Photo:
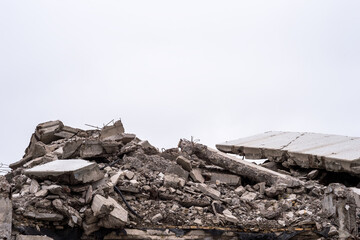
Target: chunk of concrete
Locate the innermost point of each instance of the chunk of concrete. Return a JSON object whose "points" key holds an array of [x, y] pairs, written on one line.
{"points": [[91, 148], [196, 175], [52, 217], [238, 166], [34, 186], [177, 170], [5, 209], [71, 149], [33, 237], [171, 180], [184, 163], [109, 131], [230, 179], [122, 137], [229, 217], [110, 212], [356, 194], [45, 132], [215, 194], [248, 196], [5, 217], [70, 171]]}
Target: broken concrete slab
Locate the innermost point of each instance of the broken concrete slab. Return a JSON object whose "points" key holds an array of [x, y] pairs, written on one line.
{"points": [[172, 180], [196, 175], [110, 212], [109, 131], [215, 194], [5, 217], [238, 166], [308, 150], [184, 163], [52, 217], [6, 209], [45, 132], [33, 237], [177, 170], [71, 149], [70, 171], [231, 179], [91, 149]]}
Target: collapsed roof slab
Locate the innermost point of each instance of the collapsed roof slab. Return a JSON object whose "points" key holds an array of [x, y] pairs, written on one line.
{"points": [[70, 171], [308, 150]]}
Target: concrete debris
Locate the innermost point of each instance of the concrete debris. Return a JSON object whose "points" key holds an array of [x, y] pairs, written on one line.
{"points": [[32, 237], [108, 132], [237, 166], [71, 171], [230, 179], [196, 175], [209, 191], [110, 212], [128, 189], [184, 163], [308, 150], [5, 209]]}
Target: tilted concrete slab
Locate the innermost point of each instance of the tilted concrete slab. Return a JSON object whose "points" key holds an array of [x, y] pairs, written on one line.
{"points": [[71, 171], [309, 150]]}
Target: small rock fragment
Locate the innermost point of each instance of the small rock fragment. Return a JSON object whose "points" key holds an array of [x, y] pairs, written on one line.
{"points": [[158, 217]]}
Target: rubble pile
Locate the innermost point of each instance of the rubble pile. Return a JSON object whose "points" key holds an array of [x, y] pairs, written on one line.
{"points": [[108, 184]]}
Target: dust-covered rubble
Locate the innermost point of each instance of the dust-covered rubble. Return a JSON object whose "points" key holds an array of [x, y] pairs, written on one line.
{"points": [[108, 184]]}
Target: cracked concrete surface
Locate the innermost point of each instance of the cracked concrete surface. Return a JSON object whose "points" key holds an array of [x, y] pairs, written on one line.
{"points": [[308, 150]]}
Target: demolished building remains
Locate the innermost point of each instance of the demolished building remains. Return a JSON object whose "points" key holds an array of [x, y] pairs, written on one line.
{"points": [[108, 184]]}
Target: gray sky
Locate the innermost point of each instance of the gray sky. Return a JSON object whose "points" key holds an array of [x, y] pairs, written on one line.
{"points": [[215, 70]]}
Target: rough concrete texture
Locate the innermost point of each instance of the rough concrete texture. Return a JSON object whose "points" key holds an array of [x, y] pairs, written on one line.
{"points": [[32, 237], [5, 209], [128, 189], [110, 131], [70, 171], [5, 218], [307, 150]]}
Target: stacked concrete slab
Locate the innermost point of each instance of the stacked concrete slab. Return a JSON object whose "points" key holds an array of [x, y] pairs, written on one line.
{"points": [[308, 150]]}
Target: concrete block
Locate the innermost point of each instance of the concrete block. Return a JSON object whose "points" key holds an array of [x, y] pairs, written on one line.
{"points": [[5, 217], [109, 131], [70, 171], [177, 170], [229, 179], [184, 163], [71, 149], [215, 194], [91, 148], [196, 175], [33, 237], [110, 212], [45, 132]]}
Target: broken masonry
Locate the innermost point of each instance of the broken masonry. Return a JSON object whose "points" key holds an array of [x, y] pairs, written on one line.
{"points": [[109, 184]]}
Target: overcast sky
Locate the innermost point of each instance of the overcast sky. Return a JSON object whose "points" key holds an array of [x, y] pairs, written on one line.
{"points": [[215, 70]]}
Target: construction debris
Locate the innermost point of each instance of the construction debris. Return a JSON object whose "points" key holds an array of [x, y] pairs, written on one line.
{"points": [[108, 184], [307, 150]]}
